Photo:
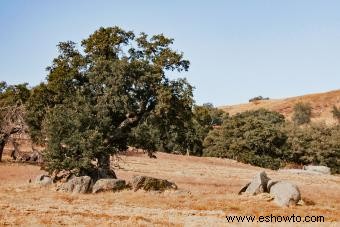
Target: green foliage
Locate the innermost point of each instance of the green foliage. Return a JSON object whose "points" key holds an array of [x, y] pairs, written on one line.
{"points": [[253, 137], [13, 94], [302, 113], [66, 76], [336, 113], [178, 130], [92, 101], [208, 116], [166, 128], [313, 144], [37, 105], [258, 98]]}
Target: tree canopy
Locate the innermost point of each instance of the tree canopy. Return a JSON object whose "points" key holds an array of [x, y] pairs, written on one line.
{"points": [[12, 111], [96, 95]]}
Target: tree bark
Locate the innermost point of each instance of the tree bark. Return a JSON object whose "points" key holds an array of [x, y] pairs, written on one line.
{"points": [[15, 150], [3, 142], [104, 170], [2, 145]]}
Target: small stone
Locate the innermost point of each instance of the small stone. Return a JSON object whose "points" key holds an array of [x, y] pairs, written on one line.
{"points": [[318, 169], [43, 180]]}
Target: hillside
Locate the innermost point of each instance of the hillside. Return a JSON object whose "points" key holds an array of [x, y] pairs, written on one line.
{"points": [[207, 193], [321, 103]]}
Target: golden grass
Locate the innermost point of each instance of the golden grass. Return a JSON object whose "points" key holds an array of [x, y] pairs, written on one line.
{"points": [[322, 104], [207, 192]]}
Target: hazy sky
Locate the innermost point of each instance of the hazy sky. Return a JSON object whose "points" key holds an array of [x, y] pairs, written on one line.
{"points": [[238, 49]]}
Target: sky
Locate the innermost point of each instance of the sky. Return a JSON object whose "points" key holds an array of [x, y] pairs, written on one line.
{"points": [[238, 49]]}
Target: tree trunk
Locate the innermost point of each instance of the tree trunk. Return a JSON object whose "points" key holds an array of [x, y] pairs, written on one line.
{"points": [[15, 150], [104, 170], [2, 145], [3, 142]]}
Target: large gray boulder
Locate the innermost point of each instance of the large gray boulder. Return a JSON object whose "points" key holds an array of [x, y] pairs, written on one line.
{"points": [[151, 184], [43, 180], [76, 185], [108, 185], [257, 185], [284, 192], [318, 169]]}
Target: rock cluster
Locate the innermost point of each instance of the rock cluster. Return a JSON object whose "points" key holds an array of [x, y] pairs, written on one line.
{"points": [[67, 181], [283, 192], [309, 170]]}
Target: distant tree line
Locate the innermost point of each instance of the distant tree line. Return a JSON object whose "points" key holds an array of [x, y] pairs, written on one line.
{"points": [[258, 98]]}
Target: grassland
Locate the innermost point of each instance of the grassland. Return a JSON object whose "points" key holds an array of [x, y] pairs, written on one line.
{"points": [[321, 103], [207, 193]]}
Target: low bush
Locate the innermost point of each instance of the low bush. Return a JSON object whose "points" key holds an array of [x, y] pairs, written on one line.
{"points": [[253, 137]]}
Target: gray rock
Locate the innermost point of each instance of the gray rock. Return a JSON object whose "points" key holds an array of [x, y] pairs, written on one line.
{"points": [[43, 180], [76, 185], [108, 185], [244, 188], [36, 157], [257, 185], [284, 192], [62, 176], [151, 184], [299, 171], [318, 169]]}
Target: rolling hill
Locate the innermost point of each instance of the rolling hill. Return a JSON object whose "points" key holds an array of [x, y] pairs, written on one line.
{"points": [[322, 104]]}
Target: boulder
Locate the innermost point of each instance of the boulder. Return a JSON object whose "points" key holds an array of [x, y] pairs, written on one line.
{"points": [[76, 185], [151, 184], [62, 176], [299, 171], [318, 169], [257, 185], [284, 192], [43, 180], [108, 185]]}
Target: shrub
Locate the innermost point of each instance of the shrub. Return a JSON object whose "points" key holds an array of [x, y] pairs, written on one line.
{"points": [[258, 98], [302, 113], [315, 144], [253, 137], [336, 113]]}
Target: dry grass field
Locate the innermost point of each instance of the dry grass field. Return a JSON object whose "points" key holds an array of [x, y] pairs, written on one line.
{"points": [[322, 104], [207, 193]]}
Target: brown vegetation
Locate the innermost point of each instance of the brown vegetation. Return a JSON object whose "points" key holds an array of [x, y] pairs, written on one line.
{"points": [[207, 192]]}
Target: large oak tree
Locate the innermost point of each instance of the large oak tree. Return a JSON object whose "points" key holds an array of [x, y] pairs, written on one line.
{"points": [[94, 96]]}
